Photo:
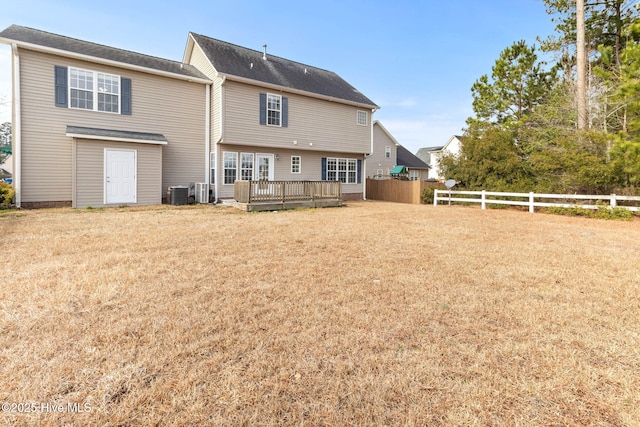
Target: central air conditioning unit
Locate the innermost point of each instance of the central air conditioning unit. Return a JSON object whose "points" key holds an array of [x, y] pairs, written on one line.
{"points": [[202, 192]]}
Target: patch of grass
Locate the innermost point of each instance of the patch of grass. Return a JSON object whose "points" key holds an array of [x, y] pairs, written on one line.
{"points": [[616, 213], [374, 314]]}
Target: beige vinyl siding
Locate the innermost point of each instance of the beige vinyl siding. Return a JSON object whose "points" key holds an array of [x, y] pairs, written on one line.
{"points": [[377, 159], [89, 172], [315, 124], [172, 107], [199, 60], [216, 110], [311, 166]]}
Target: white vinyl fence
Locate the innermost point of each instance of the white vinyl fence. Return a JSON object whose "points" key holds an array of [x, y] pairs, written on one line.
{"points": [[532, 200]]}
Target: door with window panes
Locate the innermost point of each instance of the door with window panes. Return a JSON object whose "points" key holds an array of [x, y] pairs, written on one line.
{"points": [[264, 170]]}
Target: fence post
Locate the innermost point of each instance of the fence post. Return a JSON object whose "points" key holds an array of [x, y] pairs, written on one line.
{"points": [[531, 202], [483, 203], [613, 202], [435, 197]]}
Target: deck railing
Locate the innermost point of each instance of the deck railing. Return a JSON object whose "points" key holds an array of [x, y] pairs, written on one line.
{"points": [[285, 191]]}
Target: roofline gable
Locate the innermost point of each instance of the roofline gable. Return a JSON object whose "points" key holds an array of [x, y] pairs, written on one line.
{"points": [[384, 129]]}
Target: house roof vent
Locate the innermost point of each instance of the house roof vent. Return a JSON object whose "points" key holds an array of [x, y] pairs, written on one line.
{"points": [[264, 54]]}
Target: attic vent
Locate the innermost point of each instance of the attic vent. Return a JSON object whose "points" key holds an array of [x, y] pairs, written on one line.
{"points": [[264, 54], [251, 65], [305, 71]]}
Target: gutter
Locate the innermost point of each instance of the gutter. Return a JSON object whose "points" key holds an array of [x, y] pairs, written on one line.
{"points": [[220, 139], [16, 140], [94, 59], [207, 137], [369, 154]]}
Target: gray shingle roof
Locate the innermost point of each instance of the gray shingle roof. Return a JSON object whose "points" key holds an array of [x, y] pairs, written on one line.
{"points": [[113, 133], [42, 38], [233, 60], [408, 159]]}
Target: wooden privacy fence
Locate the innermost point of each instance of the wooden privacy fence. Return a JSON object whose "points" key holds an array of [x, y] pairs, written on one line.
{"points": [[285, 191], [530, 199], [396, 190]]}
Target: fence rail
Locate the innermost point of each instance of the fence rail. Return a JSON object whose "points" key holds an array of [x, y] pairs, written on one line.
{"points": [[285, 191], [530, 199]]}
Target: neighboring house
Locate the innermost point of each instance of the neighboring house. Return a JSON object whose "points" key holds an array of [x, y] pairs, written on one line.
{"points": [[384, 155], [96, 125], [432, 155], [277, 119], [390, 158], [417, 169]]}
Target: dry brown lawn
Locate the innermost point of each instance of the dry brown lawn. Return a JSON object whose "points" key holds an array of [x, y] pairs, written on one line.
{"points": [[371, 314]]}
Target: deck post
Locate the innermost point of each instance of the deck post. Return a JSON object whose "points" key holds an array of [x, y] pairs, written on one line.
{"points": [[435, 197]]}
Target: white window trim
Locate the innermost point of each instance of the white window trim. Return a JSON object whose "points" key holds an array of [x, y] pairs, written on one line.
{"points": [[94, 90], [224, 168], [337, 171], [299, 164], [279, 111], [365, 114], [241, 169]]}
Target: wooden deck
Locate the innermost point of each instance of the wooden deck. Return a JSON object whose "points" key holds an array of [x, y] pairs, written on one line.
{"points": [[254, 196]]}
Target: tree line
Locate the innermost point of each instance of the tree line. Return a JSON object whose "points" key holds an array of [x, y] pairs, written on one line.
{"points": [[528, 133]]}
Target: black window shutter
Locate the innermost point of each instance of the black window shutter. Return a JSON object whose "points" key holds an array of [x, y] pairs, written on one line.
{"points": [[263, 108], [324, 168], [285, 111], [359, 171], [125, 96], [61, 86]]}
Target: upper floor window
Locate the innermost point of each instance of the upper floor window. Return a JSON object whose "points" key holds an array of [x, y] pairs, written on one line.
{"points": [[90, 90], [274, 105], [387, 152], [274, 110], [363, 117]]}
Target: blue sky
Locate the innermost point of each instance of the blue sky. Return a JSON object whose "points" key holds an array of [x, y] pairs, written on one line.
{"points": [[416, 59]]}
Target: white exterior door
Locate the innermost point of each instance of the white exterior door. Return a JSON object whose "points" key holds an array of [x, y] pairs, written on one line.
{"points": [[119, 176], [264, 169]]}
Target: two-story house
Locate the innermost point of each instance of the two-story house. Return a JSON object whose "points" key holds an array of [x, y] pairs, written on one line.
{"points": [[389, 156], [273, 118], [432, 155], [94, 125], [383, 158]]}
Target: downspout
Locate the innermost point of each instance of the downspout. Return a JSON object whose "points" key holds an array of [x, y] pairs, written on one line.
{"points": [[207, 136], [364, 178], [16, 138], [221, 124]]}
